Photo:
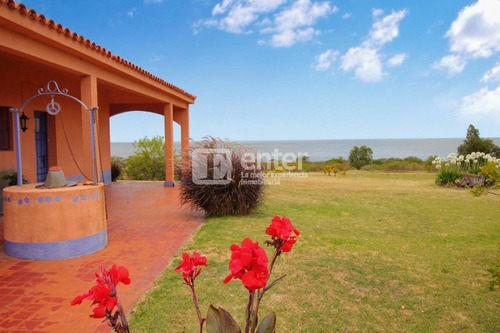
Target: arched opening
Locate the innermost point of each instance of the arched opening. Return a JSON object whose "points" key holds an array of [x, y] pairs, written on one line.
{"points": [[130, 126]]}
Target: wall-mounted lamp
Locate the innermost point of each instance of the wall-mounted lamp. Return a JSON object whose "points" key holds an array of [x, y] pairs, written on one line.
{"points": [[24, 121]]}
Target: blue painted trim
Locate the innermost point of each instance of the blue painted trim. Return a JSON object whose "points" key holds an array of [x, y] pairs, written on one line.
{"points": [[57, 250], [169, 184], [106, 176], [78, 178]]}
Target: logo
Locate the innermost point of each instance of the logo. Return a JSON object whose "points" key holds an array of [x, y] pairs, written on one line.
{"points": [[211, 166]]}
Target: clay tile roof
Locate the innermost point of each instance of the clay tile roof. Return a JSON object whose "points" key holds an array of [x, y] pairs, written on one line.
{"points": [[86, 42]]}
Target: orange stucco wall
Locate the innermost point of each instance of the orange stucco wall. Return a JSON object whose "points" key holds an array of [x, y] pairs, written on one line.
{"points": [[65, 130], [33, 215]]}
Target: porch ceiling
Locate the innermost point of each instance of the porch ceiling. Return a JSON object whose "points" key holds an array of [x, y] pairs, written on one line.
{"points": [[116, 94]]}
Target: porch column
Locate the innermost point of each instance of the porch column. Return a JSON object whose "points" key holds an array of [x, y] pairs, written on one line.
{"points": [[182, 118], [168, 112], [88, 86]]}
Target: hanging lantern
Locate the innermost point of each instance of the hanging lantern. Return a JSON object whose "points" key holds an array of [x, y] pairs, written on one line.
{"points": [[24, 121]]}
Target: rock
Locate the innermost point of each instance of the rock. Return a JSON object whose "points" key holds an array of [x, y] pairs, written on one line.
{"points": [[472, 180]]}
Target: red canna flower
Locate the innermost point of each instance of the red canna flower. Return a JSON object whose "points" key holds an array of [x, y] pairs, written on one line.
{"points": [[284, 234], [249, 264], [189, 265], [118, 274], [104, 296], [104, 292]]}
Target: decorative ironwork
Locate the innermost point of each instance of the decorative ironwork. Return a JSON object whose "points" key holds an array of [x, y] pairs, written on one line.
{"points": [[54, 90], [53, 108]]}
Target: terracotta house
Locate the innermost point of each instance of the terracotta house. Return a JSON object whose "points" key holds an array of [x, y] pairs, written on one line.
{"points": [[34, 51]]}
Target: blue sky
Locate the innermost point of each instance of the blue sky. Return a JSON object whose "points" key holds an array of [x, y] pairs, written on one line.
{"points": [[306, 69]]}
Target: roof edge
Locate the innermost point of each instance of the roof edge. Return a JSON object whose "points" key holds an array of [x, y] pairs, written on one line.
{"points": [[32, 14]]}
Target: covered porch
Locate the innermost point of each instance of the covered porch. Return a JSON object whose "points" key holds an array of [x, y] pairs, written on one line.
{"points": [[146, 228], [34, 51]]}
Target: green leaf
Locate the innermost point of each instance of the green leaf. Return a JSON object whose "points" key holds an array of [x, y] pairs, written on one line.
{"points": [[268, 324], [220, 321]]}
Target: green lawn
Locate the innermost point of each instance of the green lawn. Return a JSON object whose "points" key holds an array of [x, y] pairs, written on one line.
{"points": [[378, 253]]}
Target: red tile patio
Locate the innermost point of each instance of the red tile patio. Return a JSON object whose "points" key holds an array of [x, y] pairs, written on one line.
{"points": [[146, 227]]}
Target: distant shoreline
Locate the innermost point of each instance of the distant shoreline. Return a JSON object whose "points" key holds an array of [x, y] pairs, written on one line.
{"points": [[324, 150], [320, 140]]}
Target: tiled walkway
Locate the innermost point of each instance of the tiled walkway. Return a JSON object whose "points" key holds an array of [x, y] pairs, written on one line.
{"points": [[146, 227]]}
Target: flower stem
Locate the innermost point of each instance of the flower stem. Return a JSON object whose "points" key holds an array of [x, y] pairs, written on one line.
{"points": [[275, 256], [196, 305], [251, 296], [262, 291], [123, 318]]}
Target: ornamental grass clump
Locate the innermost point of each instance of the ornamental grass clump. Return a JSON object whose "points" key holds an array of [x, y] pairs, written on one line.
{"points": [[221, 178]]}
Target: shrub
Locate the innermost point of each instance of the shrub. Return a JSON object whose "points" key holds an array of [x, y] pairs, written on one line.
{"points": [[448, 177], [11, 179], [410, 163], [472, 163], [148, 161], [221, 178], [492, 173], [360, 156], [117, 167]]}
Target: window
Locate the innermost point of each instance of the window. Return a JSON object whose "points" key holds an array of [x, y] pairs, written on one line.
{"points": [[5, 128]]}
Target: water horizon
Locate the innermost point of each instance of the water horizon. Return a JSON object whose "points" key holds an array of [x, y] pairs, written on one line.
{"points": [[323, 150]]}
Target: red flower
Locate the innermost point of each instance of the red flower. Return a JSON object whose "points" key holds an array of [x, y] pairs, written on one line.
{"points": [[188, 266], [104, 292], [249, 264], [118, 274], [104, 296], [282, 230]]}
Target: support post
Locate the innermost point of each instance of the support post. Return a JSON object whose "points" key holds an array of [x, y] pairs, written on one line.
{"points": [[89, 97], [184, 122], [168, 112], [92, 116], [18, 146]]}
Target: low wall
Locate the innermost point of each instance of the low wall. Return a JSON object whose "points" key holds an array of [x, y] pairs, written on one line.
{"points": [[48, 224]]}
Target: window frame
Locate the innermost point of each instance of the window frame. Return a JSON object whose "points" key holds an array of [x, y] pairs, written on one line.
{"points": [[5, 129]]}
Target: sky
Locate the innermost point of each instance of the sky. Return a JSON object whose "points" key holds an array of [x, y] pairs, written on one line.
{"points": [[306, 69]]}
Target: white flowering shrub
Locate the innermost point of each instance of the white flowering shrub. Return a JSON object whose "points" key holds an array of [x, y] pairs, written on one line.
{"points": [[453, 167]]}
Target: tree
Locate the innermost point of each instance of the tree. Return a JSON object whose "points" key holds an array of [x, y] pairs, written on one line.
{"points": [[360, 156], [148, 161], [474, 143]]}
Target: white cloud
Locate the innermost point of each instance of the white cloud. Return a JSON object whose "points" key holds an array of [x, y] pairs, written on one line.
{"points": [[294, 24], [325, 59], [147, 2], [453, 63], [493, 75], [396, 60], [484, 102], [287, 38], [286, 25], [386, 29], [365, 59], [377, 12], [365, 62], [475, 33], [221, 8], [238, 18], [346, 16]]}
